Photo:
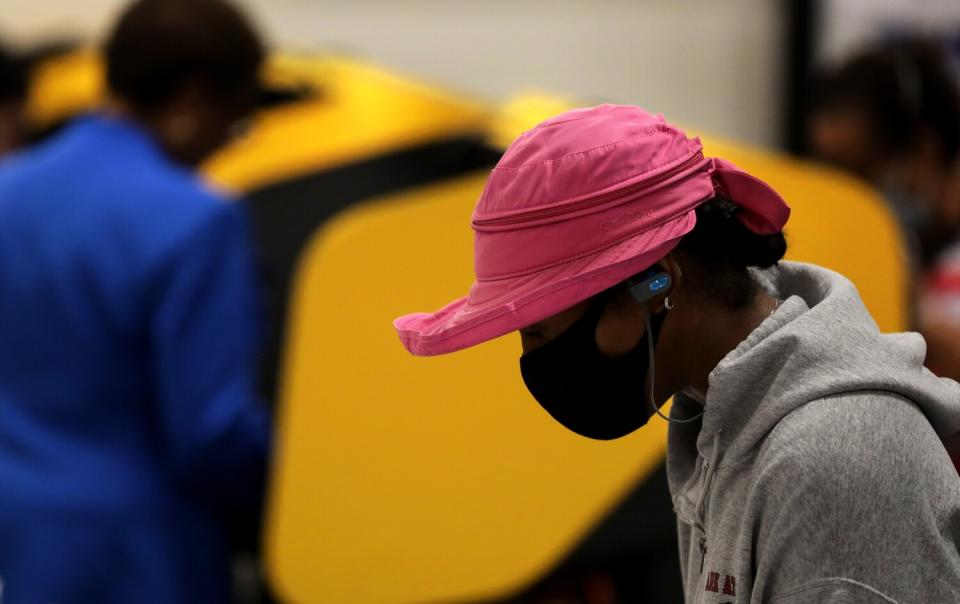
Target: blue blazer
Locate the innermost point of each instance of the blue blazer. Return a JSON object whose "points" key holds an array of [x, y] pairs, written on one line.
{"points": [[129, 431]]}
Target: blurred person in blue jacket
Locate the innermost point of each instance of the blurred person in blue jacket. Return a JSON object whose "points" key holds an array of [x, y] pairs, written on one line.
{"points": [[131, 443]]}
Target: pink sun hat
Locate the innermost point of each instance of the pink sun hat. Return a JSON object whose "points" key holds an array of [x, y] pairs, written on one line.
{"points": [[575, 206]]}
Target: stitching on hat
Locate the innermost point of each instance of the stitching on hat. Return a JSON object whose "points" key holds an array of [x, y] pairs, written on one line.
{"points": [[585, 196], [656, 128], [582, 254], [563, 157], [624, 220]]}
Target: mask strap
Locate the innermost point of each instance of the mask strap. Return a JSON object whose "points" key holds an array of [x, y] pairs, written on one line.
{"points": [[652, 371]]}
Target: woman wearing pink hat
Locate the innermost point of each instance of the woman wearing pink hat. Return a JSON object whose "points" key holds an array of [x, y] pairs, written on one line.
{"points": [[804, 459]]}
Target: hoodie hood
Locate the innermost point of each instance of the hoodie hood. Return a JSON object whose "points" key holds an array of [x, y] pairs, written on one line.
{"points": [[754, 514], [820, 342]]}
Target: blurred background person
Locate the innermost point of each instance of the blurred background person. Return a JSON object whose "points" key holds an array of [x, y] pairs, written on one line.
{"points": [[13, 93], [132, 448], [891, 115]]}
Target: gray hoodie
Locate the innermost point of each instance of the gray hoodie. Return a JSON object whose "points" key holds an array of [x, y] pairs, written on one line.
{"points": [[816, 473]]}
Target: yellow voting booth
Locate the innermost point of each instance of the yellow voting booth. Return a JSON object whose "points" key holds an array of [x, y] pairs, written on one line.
{"points": [[403, 480]]}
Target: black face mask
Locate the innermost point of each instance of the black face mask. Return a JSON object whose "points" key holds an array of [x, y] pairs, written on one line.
{"points": [[590, 394]]}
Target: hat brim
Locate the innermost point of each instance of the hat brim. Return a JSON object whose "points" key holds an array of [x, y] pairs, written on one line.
{"points": [[497, 307]]}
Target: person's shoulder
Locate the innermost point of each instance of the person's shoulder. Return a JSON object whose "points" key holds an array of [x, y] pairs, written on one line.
{"points": [[172, 201], [173, 213], [858, 442], [861, 482], [180, 188], [29, 164], [196, 215]]}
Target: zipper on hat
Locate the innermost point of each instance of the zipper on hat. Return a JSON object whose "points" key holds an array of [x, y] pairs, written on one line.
{"points": [[590, 201]]}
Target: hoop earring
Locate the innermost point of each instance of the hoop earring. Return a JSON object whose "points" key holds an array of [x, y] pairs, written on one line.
{"points": [[667, 303]]}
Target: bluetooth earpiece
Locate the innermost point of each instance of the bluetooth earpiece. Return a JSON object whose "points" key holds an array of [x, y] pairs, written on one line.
{"points": [[648, 284], [643, 288]]}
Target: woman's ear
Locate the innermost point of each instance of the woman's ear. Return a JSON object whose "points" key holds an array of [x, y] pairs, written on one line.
{"points": [[624, 319], [671, 267]]}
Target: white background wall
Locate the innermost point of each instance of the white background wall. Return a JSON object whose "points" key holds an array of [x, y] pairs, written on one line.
{"points": [[847, 25], [707, 63]]}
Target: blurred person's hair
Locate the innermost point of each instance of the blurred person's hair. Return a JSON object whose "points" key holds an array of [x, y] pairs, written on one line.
{"points": [[905, 90], [157, 46], [13, 76]]}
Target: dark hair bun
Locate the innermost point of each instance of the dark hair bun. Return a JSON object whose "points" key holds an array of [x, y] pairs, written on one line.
{"points": [[721, 248], [720, 238], [768, 250]]}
